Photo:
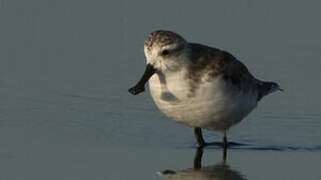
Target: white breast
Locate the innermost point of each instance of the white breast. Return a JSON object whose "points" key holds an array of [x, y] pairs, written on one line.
{"points": [[215, 105]]}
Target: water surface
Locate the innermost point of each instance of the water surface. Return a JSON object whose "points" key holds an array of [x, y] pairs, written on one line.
{"points": [[65, 67]]}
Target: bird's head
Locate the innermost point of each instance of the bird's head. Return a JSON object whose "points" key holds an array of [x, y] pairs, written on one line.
{"points": [[164, 51]]}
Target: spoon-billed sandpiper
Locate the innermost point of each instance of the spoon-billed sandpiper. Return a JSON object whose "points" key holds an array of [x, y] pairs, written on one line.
{"points": [[199, 86]]}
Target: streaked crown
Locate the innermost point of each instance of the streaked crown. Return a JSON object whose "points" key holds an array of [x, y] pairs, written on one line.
{"points": [[162, 38], [163, 49]]}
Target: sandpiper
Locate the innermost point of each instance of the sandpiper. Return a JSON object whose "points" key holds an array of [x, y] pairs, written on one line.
{"points": [[199, 86]]}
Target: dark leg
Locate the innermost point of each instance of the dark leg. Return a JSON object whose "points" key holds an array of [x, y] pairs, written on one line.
{"points": [[198, 158], [224, 155], [224, 140], [199, 137]]}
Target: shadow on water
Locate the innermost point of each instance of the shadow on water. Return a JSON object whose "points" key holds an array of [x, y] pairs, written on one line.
{"points": [[218, 171], [243, 146], [279, 148]]}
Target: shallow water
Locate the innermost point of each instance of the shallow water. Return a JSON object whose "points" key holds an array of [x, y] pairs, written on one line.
{"points": [[65, 67]]}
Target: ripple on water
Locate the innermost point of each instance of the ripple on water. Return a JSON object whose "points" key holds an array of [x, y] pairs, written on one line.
{"points": [[249, 147]]}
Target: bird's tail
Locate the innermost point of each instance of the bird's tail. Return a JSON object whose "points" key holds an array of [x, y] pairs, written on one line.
{"points": [[265, 88]]}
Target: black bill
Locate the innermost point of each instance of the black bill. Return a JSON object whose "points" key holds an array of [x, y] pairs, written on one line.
{"points": [[140, 86]]}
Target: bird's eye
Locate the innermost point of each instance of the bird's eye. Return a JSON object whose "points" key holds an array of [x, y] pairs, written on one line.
{"points": [[165, 52]]}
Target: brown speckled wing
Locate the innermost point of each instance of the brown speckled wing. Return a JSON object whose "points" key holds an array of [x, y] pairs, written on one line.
{"points": [[237, 73], [214, 62]]}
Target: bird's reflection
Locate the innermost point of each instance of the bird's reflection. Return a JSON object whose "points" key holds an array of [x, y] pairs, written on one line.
{"points": [[220, 171]]}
